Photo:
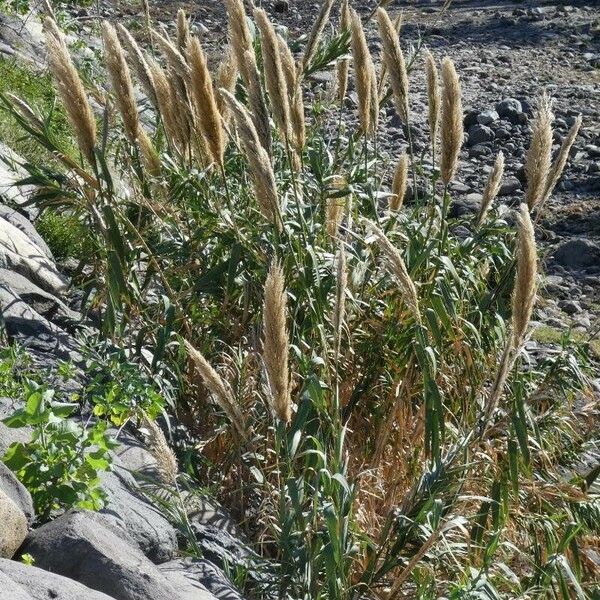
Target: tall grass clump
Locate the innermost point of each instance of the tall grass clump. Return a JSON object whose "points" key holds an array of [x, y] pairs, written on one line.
{"points": [[353, 365]]}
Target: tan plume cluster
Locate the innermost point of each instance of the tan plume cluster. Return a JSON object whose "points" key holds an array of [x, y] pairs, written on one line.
{"points": [[294, 86], [316, 32], [226, 77], [218, 388], [138, 62], [492, 187], [261, 168], [433, 95], [166, 461], [207, 111], [343, 64], [524, 293], [398, 269], [120, 79], [274, 78], [183, 31], [383, 73], [399, 183], [276, 344], [175, 59], [452, 121], [539, 156], [241, 43], [364, 72], [393, 58], [561, 160], [334, 215], [70, 89]]}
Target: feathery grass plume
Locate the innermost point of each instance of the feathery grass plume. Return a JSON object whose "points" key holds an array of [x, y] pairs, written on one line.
{"points": [[240, 38], [433, 95], [339, 310], [526, 280], [166, 461], [539, 156], [138, 62], [383, 74], [25, 111], [226, 77], [561, 160], [393, 58], [398, 270], [343, 64], [523, 300], [175, 58], [206, 103], [257, 102], [217, 387], [334, 214], [363, 72], [120, 80], [166, 102], [149, 155], [452, 121], [316, 32], [492, 187], [70, 89], [400, 183], [274, 77], [294, 86], [374, 102], [183, 31], [260, 165], [276, 344]]}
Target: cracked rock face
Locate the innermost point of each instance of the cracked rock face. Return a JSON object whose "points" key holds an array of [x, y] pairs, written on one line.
{"points": [[14, 526]]}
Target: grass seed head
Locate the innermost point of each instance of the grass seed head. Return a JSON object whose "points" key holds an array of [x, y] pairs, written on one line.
{"points": [[316, 32], [492, 187], [393, 58], [71, 90], [183, 31], [433, 95], [203, 94], [274, 76], [275, 343], [363, 73], [120, 79], [539, 156], [452, 121], [166, 460], [343, 64], [400, 183]]}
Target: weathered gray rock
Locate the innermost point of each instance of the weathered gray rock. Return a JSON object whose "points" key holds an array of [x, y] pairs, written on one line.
{"points": [[14, 526], [47, 305], [17, 492], [11, 172], [199, 580], [129, 512], [135, 457], [86, 547], [32, 330], [30, 583], [487, 117], [18, 252], [18, 220], [511, 185], [578, 253], [479, 134]]}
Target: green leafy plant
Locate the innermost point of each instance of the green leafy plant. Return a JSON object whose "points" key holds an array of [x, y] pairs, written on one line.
{"points": [[60, 465]]}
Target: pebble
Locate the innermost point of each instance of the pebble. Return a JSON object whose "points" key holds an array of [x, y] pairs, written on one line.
{"points": [[487, 117], [511, 185], [479, 134]]}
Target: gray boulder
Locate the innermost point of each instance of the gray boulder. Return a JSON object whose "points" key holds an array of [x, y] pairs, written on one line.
{"points": [[11, 170], [22, 582], [29, 328], [199, 579], [578, 253], [17, 492], [479, 134], [86, 547], [130, 513], [47, 305], [18, 252], [24, 224], [14, 526]]}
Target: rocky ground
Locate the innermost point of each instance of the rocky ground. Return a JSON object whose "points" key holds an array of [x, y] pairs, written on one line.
{"points": [[507, 54]]}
